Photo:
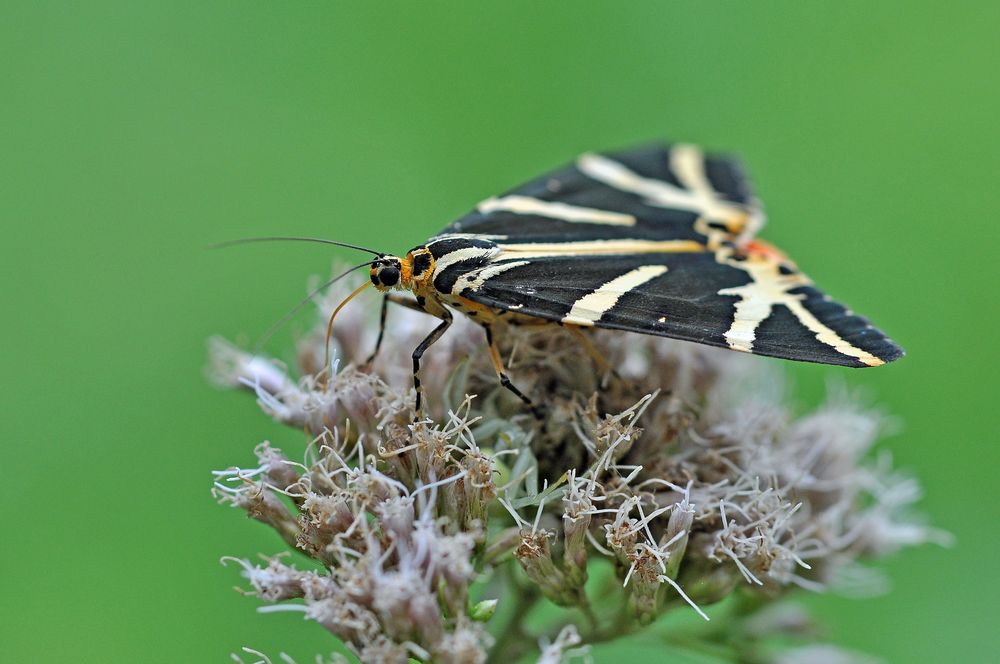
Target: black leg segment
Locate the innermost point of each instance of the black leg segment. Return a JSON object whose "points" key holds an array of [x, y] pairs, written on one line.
{"points": [[418, 352], [381, 329]]}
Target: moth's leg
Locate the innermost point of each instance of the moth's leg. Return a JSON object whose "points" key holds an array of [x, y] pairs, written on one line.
{"points": [[502, 375], [594, 354], [418, 352], [395, 298], [381, 329]]}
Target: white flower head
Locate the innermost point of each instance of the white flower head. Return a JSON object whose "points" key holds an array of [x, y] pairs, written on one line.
{"points": [[682, 476]]}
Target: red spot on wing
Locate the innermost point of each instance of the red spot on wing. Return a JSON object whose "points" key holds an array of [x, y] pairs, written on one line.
{"points": [[767, 250]]}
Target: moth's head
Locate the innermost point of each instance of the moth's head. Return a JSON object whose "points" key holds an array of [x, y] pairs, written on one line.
{"points": [[386, 273], [412, 272]]}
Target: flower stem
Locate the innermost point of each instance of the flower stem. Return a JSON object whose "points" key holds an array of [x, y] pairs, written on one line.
{"points": [[513, 641]]}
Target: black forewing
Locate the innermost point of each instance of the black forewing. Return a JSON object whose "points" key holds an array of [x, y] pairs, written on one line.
{"points": [[849, 326], [569, 185], [682, 303], [685, 302]]}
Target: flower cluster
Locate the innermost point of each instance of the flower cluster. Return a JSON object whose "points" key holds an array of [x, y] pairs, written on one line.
{"points": [[668, 471]]}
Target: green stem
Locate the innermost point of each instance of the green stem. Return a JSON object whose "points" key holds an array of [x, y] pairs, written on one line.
{"points": [[513, 641]]}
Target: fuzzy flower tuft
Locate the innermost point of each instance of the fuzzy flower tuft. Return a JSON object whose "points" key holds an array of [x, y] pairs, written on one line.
{"points": [[674, 482]]}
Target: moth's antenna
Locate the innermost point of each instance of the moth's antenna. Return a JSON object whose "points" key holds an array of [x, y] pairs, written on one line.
{"points": [[292, 238], [329, 325], [298, 307]]}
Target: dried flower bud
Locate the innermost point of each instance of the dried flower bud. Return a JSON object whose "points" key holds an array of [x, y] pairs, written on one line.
{"points": [[535, 557], [577, 507]]}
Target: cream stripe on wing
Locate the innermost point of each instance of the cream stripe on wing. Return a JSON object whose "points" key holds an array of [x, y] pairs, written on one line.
{"points": [[462, 254], [596, 247], [767, 289], [688, 164], [657, 192], [555, 210], [466, 236], [617, 175], [475, 280], [829, 337], [589, 308]]}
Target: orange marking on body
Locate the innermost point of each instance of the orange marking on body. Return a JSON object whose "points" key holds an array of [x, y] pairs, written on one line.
{"points": [[488, 314], [767, 250], [737, 222], [470, 305], [406, 270]]}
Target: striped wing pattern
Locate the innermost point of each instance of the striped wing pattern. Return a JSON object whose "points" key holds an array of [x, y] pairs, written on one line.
{"points": [[652, 192], [654, 240]]}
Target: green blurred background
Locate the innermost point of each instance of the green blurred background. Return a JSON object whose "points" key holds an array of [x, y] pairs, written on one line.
{"points": [[132, 134]]}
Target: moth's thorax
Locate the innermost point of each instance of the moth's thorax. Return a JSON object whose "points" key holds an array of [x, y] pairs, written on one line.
{"points": [[412, 272], [418, 266], [435, 272], [456, 256]]}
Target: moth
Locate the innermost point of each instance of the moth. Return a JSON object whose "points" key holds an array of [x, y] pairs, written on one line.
{"points": [[659, 239]]}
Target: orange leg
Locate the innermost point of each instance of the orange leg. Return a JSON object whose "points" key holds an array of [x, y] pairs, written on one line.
{"points": [[502, 375], [594, 354]]}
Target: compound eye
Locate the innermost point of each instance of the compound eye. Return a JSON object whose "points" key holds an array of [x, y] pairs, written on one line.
{"points": [[389, 276]]}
